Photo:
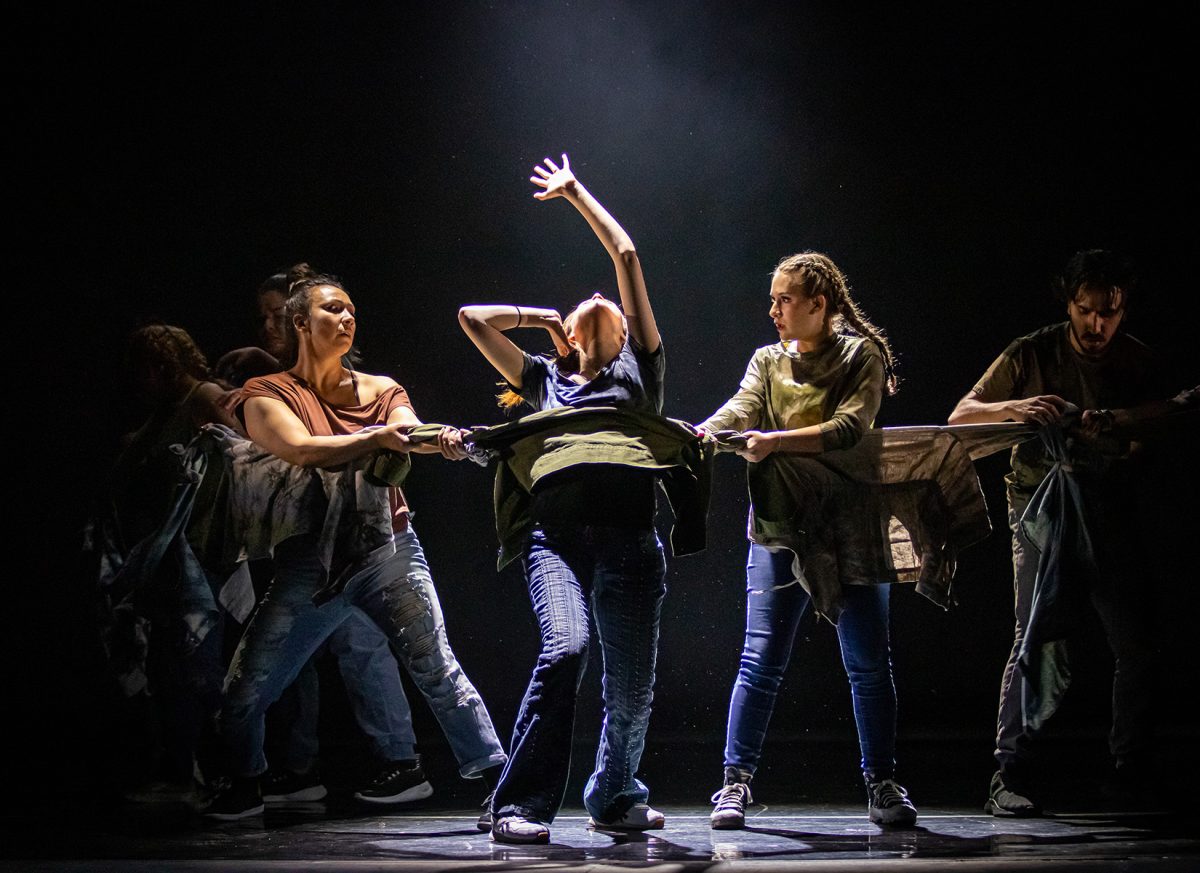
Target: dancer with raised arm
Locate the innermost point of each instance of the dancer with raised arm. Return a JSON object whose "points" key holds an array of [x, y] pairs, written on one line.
{"points": [[592, 547]]}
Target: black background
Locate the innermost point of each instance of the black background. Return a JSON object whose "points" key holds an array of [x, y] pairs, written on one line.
{"points": [[170, 157]]}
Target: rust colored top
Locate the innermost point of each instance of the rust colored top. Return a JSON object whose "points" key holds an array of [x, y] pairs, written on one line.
{"points": [[323, 419]]}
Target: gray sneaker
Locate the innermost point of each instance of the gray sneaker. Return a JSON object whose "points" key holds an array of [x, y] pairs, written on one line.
{"points": [[731, 801], [888, 804], [520, 830]]}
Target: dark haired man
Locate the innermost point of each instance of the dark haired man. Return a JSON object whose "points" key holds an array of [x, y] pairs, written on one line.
{"points": [[1086, 363]]}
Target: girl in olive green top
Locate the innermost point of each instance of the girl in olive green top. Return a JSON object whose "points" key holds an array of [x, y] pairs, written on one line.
{"points": [[815, 391]]}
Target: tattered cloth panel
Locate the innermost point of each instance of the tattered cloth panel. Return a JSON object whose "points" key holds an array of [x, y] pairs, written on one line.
{"points": [[897, 507]]}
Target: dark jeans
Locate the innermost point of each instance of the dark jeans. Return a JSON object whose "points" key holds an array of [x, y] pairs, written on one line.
{"points": [[1123, 603], [621, 571], [775, 603]]}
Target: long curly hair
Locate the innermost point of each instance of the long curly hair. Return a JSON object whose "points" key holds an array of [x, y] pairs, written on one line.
{"points": [[167, 351], [819, 276]]}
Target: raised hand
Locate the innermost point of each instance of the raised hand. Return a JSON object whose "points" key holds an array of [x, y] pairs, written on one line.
{"points": [[556, 181]]}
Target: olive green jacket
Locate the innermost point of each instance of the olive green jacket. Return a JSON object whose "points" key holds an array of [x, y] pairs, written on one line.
{"points": [[537, 445]]}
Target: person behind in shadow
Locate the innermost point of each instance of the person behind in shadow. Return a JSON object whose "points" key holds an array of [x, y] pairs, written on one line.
{"points": [[1090, 362], [145, 633]]}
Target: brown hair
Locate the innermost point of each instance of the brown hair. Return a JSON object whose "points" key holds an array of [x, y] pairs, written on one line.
{"points": [[168, 349], [300, 280], [819, 276]]}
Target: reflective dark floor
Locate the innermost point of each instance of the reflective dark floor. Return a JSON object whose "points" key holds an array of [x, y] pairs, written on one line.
{"points": [[821, 825]]}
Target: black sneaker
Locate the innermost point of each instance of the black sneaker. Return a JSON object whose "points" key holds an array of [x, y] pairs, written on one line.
{"points": [[1007, 802], [888, 804], [284, 786], [241, 798], [397, 782], [731, 801], [484, 822]]}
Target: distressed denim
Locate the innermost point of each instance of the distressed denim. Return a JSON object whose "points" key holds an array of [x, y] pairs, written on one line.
{"points": [[621, 573], [775, 603], [398, 596], [371, 677]]}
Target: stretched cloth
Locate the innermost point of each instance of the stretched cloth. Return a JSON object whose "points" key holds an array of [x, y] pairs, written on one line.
{"points": [[897, 507], [1060, 522]]}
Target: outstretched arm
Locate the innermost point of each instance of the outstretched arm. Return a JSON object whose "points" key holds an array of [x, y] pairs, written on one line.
{"points": [[561, 182], [485, 326], [272, 425], [1042, 409]]}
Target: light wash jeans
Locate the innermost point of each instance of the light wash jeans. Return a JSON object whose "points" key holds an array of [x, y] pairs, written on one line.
{"points": [[371, 677], [398, 596], [621, 571], [773, 612]]}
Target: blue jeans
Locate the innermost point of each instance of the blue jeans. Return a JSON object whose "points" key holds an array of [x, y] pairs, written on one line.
{"points": [[398, 596], [774, 607], [371, 677], [622, 572]]}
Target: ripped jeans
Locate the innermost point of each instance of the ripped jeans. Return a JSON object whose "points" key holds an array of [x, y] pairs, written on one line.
{"points": [[398, 596]]}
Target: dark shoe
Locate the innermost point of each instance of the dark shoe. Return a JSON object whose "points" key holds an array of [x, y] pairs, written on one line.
{"points": [[163, 792], [284, 786], [484, 823], [1003, 801], [397, 782], [518, 829], [731, 801], [888, 804], [241, 798]]}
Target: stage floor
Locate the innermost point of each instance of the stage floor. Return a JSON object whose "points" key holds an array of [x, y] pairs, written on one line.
{"points": [[336, 836], [811, 816]]}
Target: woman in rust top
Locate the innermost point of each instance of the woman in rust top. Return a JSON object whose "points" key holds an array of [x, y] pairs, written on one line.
{"points": [[320, 413]]}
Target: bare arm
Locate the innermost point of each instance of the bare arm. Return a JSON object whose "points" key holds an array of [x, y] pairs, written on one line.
{"points": [[276, 428], [1042, 409], [485, 325], [208, 406], [449, 442], [561, 182]]}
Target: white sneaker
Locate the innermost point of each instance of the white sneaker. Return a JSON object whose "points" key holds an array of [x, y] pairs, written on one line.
{"points": [[639, 817]]}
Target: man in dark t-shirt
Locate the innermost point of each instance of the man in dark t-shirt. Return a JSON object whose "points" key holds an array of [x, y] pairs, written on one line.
{"points": [[1087, 366]]}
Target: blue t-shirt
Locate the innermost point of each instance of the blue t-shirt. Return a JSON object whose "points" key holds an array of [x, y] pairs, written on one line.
{"points": [[600, 494], [631, 380]]}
